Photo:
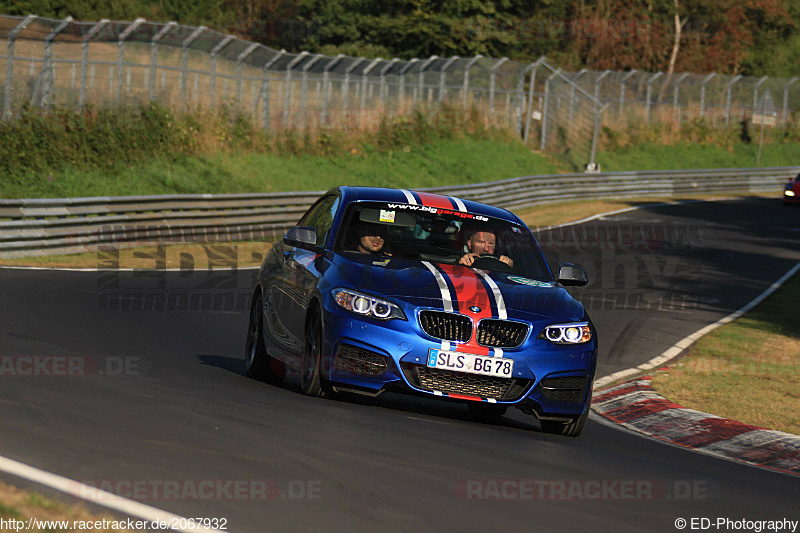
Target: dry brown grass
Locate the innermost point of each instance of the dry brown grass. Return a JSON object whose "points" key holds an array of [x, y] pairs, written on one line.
{"points": [[748, 370], [22, 505]]}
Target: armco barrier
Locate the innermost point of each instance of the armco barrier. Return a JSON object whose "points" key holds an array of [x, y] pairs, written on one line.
{"points": [[66, 225]]}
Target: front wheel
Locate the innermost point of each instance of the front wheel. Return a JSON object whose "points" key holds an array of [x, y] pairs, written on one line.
{"points": [[257, 363], [310, 365], [569, 429]]}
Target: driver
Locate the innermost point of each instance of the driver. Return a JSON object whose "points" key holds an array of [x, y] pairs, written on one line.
{"points": [[482, 243], [371, 239]]}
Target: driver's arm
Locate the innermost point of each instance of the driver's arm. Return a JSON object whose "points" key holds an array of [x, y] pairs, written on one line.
{"points": [[467, 259]]}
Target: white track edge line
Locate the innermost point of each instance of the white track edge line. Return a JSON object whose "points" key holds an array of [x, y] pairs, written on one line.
{"points": [[675, 350], [103, 498]]}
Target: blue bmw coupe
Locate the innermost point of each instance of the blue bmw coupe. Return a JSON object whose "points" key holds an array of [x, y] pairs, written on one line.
{"points": [[387, 289]]}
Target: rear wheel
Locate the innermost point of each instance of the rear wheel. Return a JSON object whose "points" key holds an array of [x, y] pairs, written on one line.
{"points": [[257, 363], [311, 380]]}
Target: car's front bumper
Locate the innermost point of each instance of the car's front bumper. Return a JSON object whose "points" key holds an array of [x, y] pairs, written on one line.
{"points": [[369, 356]]}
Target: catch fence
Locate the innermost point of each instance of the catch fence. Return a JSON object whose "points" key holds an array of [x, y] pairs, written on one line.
{"points": [[67, 64]]}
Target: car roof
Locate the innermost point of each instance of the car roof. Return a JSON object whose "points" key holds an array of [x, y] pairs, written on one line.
{"points": [[407, 196]]}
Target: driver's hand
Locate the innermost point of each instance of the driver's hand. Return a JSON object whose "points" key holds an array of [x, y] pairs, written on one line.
{"points": [[507, 260], [468, 259]]}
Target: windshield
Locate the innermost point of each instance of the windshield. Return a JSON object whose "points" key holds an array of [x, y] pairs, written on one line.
{"points": [[400, 231]]}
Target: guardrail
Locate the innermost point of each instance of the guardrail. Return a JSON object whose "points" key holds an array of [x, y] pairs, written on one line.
{"points": [[31, 227]]}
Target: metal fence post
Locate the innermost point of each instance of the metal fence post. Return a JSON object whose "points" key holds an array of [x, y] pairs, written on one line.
{"points": [[574, 80], [94, 30], [403, 71], [492, 84], [239, 61], [384, 88], [154, 58], [442, 77], [8, 90], [346, 85], [755, 92], [44, 83], [465, 86], [622, 89], [728, 100], [597, 81], [546, 107], [764, 99], [676, 97], [598, 119], [287, 89], [304, 86], [786, 99], [421, 80], [649, 93], [121, 58], [265, 88], [364, 74], [213, 78], [325, 90], [529, 112], [703, 93], [184, 73]]}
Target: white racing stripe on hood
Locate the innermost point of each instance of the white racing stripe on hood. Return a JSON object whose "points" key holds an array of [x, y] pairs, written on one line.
{"points": [[447, 299], [498, 296], [409, 197]]}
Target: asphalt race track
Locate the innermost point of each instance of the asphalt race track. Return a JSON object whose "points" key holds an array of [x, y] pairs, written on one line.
{"points": [[133, 381]]}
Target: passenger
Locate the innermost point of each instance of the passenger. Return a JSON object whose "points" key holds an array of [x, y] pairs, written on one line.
{"points": [[482, 243], [372, 239]]}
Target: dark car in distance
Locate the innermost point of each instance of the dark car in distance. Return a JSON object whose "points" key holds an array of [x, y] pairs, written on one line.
{"points": [[791, 192], [371, 293]]}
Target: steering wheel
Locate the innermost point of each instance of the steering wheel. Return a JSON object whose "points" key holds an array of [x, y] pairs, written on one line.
{"points": [[490, 262]]}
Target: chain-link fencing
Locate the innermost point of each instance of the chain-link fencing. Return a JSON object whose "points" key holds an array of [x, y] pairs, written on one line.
{"points": [[67, 64]]}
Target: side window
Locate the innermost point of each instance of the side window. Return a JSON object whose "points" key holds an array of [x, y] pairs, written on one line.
{"points": [[320, 216]]}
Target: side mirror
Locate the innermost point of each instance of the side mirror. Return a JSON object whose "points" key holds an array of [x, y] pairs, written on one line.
{"points": [[571, 275], [301, 236]]}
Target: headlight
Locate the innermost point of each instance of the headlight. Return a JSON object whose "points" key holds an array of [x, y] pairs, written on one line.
{"points": [[365, 305], [568, 333], [789, 193]]}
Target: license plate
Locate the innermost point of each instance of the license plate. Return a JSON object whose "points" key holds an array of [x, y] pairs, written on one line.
{"points": [[471, 363]]}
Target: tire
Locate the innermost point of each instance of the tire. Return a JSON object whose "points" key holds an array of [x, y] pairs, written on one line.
{"points": [[311, 380], [569, 429], [257, 363], [486, 411]]}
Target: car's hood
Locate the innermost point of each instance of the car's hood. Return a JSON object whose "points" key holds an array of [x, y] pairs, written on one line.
{"points": [[427, 284]]}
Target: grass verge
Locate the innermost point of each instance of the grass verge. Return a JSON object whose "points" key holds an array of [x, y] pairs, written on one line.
{"points": [[21, 505], [747, 370], [154, 150]]}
